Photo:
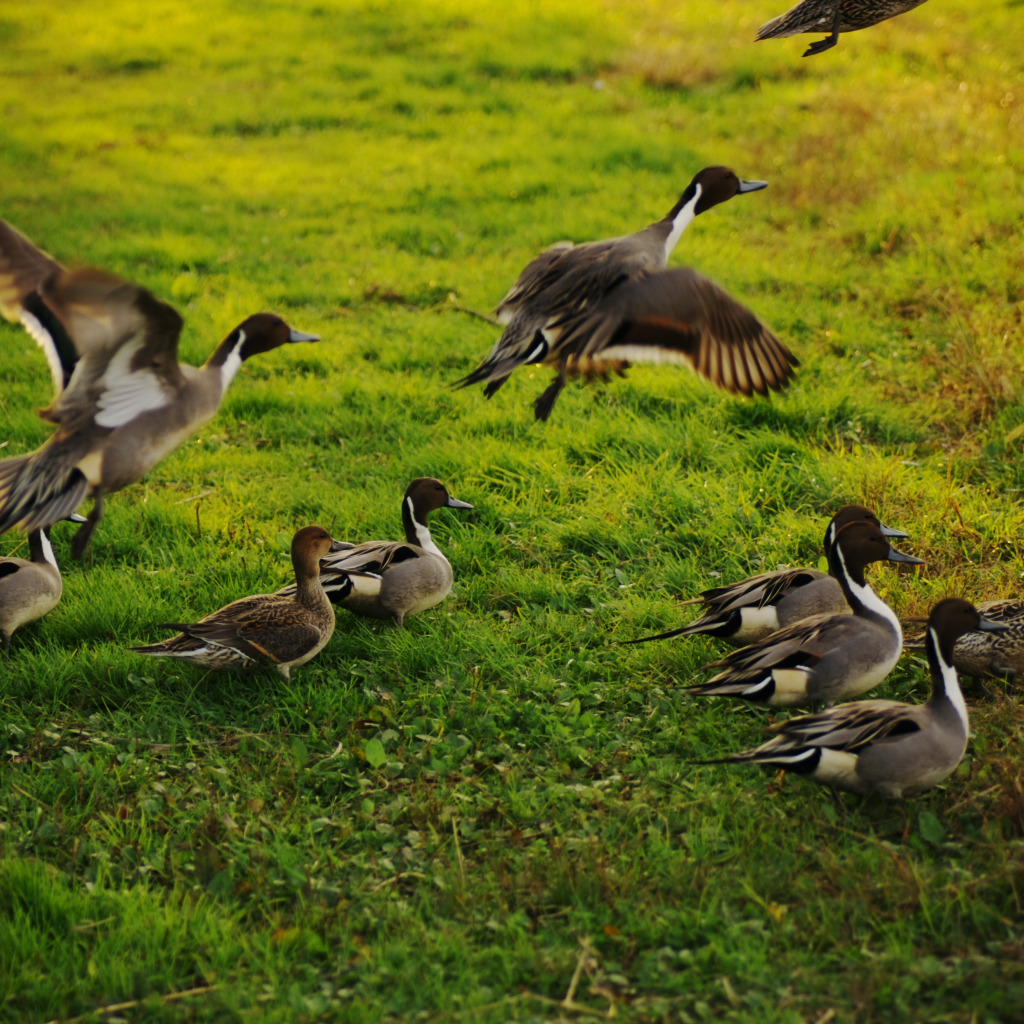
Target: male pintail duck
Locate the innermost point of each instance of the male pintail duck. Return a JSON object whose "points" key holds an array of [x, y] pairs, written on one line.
{"points": [[30, 587], [393, 579], [988, 654], [884, 746], [265, 629], [128, 401], [596, 307], [826, 657], [745, 612], [833, 16]]}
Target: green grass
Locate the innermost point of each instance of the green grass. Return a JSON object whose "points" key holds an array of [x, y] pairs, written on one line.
{"points": [[492, 815]]}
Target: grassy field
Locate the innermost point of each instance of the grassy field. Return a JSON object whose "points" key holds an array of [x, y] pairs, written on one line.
{"points": [[493, 814]]}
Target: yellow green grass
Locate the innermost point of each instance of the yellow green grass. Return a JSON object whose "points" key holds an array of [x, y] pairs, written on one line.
{"points": [[492, 815]]}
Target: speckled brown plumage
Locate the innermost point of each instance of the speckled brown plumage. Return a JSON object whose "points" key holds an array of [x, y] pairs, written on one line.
{"points": [[833, 16]]}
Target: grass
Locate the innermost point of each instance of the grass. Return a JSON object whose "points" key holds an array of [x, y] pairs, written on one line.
{"points": [[492, 815]]}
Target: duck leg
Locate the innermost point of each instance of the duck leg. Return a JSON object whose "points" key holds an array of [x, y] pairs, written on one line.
{"points": [[829, 41], [543, 406], [81, 541]]}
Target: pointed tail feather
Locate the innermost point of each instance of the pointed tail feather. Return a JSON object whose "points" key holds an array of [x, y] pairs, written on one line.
{"points": [[33, 496]]}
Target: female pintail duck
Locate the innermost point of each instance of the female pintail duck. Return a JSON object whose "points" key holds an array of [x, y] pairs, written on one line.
{"points": [[595, 307], [884, 746], [30, 587], [128, 403], [745, 612], [265, 629], [833, 16], [826, 657], [393, 579], [988, 654]]}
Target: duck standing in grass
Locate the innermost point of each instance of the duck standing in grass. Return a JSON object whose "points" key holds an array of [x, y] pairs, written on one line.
{"points": [[825, 657], [745, 612], [833, 16], [594, 308], [30, 587], [386, 579], [884, 746], [128, 401], [989, 654], [265, 629]]}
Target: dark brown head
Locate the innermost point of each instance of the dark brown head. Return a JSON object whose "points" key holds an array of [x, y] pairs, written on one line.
{"points": [[261, 332], [855, 514], [860, 543], [425, 494], [716, 185], [950, 619]]}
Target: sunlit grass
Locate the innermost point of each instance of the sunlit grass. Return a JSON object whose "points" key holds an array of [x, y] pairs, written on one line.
{"points": [[453, 820]]}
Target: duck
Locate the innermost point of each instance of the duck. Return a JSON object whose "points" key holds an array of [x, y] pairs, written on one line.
{"points": [[385, 579], [988, 654], [263, 629], [592, 309], [825, 657], [885, 747], [128, 401], [832, 16], [743, 613], [30, 587]]}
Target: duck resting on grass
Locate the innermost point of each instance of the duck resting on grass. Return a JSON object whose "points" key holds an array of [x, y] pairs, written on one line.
{"points": [[825, 657], [832, 16], [386, 579], [884, 746], [594, 308], [265, 629], [745, 612], [128, 401], [30, 587]]}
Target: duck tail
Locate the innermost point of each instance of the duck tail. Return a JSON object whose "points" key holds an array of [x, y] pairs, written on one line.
{"points": [[34, 495]]}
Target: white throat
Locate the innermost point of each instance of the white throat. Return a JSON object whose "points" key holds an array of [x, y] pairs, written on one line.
{"points": [[950, 681], [48, 554], [683, 219], [423, 537], [871, 601], [231, 365]]}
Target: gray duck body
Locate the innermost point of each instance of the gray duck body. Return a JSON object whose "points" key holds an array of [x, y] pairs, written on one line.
{"points": [[29, 587], [834, 17], [880, 746]]}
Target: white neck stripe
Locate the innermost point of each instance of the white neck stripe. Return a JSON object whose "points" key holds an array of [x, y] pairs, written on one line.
{"points": [[950, 680], [232, 363], [683, 219]]}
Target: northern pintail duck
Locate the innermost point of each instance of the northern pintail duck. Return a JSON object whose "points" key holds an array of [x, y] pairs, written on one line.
{"points": [[989, 654], [128, 403], [832, 16], [597, 307], [826, 657], [884, 746], [265, 629], [29, 587], [387, 579], [743, 613]]}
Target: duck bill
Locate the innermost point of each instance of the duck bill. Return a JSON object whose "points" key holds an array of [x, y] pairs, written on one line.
{"points": [[455, 503], [888, 531], [752, 186], [302, 336], [898, 556], [991, 626], [339, 545]]}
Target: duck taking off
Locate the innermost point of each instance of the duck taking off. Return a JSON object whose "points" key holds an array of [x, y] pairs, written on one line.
{"points": [[594, 308], [832, 16], [128, 401]]}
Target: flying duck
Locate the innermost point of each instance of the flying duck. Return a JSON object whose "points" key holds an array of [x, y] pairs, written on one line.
{"points": [[989, 654], [265, 629], [884, 746], [596, 307], [825, 657], [128, 401], [29, 587], [392, 579], [745, 612], [833, 16]]}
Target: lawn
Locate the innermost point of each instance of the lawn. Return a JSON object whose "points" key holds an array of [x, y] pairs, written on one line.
{"points": [[494, 814]]}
